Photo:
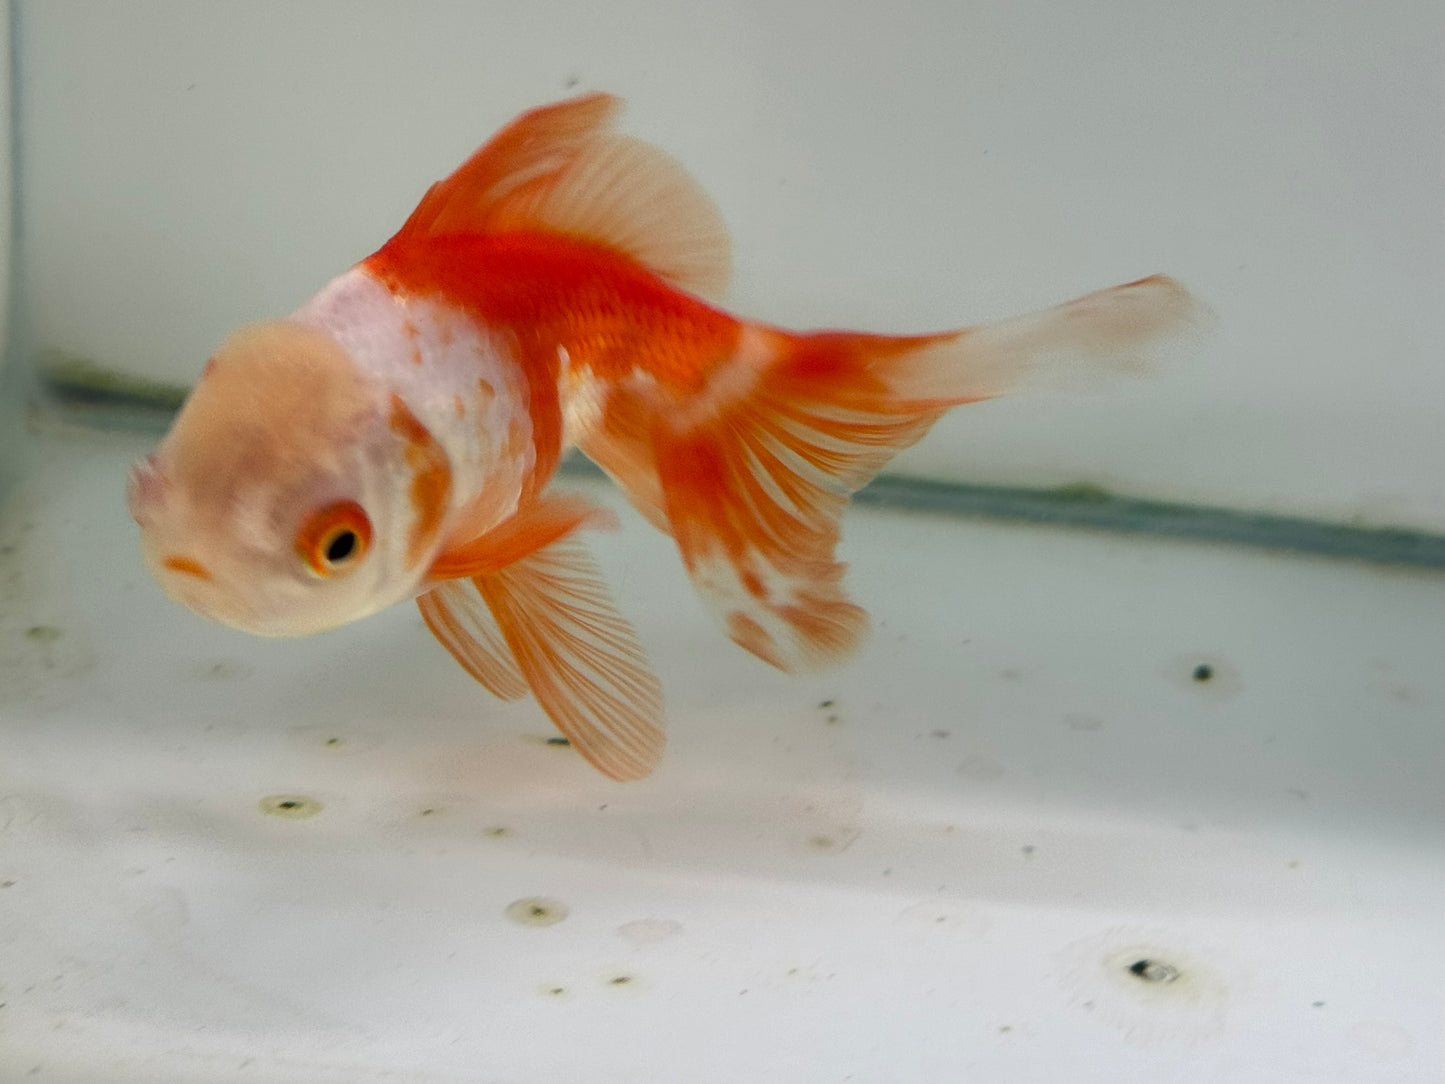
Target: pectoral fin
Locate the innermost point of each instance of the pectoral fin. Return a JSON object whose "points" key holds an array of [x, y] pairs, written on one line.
{"points": [[580, 656], [458, 618], [549, 623]]}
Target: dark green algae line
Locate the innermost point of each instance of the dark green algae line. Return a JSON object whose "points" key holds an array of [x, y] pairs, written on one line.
{"points": [[1093, 507], [90, 393]]}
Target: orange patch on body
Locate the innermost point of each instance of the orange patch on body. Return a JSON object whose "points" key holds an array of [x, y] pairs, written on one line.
{"points": [[459, 407], [431, 482], [486, 391], [187, 566]]}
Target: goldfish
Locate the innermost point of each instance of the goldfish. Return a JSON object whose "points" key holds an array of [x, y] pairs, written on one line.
{"points": [[394, 438]]}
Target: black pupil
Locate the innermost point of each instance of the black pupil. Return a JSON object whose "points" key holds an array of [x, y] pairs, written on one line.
{"points": [[342, 546]]}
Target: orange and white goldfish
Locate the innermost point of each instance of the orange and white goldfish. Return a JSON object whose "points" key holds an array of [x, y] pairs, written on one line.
{"points": [[394, 437]]}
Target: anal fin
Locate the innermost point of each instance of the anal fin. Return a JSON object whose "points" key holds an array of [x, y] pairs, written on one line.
{"points": [[756, 470], [755, 489]]}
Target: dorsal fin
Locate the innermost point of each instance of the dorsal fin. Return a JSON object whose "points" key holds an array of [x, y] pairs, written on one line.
{"points": [[561, 169]]}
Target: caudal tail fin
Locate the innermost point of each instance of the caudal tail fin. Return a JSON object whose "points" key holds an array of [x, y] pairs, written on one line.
{"points": [[753, 482], [1115, 332]]}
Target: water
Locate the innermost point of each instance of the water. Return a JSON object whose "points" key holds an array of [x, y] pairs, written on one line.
{"points": [[1136, 778]]}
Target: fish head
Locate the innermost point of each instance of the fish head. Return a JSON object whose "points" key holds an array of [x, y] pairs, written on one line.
{"points": [[271, 504]]}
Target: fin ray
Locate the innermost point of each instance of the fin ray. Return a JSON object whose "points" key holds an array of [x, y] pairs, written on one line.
{"points": [[458, 618], [539, 524], [545, 621], [754, 485], [580, 657], [561, 169]]}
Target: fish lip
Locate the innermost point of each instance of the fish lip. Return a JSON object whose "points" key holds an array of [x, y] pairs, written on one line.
{"points": [[144, 487]]}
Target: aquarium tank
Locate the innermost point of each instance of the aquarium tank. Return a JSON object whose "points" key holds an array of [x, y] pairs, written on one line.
{"points": [[1114, 754]]}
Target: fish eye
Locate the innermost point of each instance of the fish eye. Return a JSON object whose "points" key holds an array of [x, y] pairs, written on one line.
{"points": [[334, 538], [341, 546]]}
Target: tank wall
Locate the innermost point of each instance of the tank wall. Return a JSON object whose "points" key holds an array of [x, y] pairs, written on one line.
{"points": [[193, 164], [9, 369]]}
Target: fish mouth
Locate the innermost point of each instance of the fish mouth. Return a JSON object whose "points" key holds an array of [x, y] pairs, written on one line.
{"points": [[144, 488]]}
